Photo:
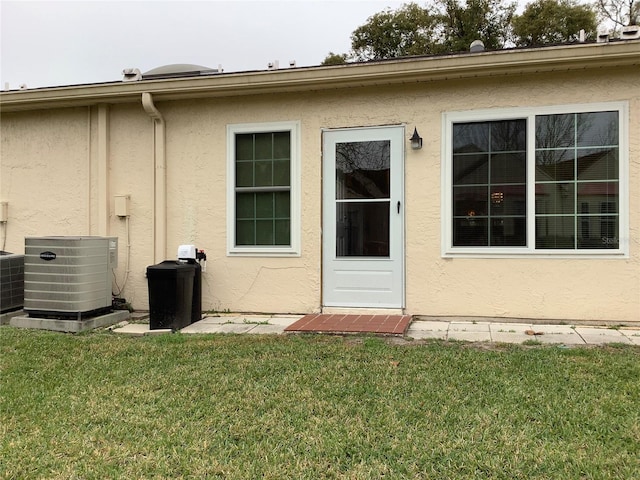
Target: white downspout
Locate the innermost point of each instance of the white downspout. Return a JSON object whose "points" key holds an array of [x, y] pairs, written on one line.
{"points": [[160, 181], [103, 170]]}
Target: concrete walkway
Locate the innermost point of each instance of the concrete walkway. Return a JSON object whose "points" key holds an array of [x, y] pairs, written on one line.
{"points": [[470, 331]]}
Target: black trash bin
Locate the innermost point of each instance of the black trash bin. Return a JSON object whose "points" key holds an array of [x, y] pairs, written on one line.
{"points": [[170, 294], [196, 304]]}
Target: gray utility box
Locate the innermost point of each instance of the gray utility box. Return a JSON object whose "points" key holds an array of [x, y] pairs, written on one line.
{"points": [[69, 276], [11, 281]]}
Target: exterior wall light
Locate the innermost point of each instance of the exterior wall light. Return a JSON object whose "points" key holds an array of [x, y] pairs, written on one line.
{"points": [[416, 140]]}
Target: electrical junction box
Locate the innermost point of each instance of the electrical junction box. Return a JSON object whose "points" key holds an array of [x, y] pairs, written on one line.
{"points": [[4, 212], [121, 205]]}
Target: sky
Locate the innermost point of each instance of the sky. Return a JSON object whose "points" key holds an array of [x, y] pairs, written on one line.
{"points": [[55, 43]]}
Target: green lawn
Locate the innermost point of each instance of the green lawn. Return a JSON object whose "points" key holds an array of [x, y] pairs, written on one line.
{"points": [[100, 405]]}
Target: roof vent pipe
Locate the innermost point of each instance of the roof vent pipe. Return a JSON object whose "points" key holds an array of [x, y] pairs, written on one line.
{"points": [[477, 46], [131, 75], [630, 32], [603, 36]]}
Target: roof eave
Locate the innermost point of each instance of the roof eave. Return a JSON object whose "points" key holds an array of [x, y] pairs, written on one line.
{"points": [[389, 72]]}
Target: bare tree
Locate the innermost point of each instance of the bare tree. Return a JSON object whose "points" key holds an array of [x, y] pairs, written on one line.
{"points": [[619, 13]]}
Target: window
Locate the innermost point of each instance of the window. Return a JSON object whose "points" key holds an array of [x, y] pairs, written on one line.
{"points": [[546, 181], [263, 189]]}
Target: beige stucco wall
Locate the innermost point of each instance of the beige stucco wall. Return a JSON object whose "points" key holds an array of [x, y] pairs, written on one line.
{"points": [[50, 161]]}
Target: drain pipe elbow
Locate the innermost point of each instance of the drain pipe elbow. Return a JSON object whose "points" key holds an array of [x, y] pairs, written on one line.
{"points": [[160, 180]]}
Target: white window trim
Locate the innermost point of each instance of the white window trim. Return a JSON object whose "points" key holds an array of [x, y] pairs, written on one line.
{"points": [[529, 114], [264, 251]]}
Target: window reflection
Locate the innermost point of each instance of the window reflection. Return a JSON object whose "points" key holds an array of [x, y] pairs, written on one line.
{"points": [[363, 169]]}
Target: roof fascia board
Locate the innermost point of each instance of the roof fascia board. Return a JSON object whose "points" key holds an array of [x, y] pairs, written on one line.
{"points": [[388, 72]]}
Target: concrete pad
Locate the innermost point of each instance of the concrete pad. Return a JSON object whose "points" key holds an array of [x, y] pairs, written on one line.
{"points": [[267, 329], [419, 334], [218, 328], [427, 329], [469, 327], [5, 318], [284, 320], [598, 336], [632, 335], [134, 329], [428, 325], [213, 321], [473, 336], [559, 338], [510, 332], [67, 325], [140, 329]]}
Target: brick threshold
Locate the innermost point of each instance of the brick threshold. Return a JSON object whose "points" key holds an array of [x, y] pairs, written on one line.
{"points": [[350, 323]]}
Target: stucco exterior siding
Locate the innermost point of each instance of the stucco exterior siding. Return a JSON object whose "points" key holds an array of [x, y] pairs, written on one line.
{"points": [[60, 178]]}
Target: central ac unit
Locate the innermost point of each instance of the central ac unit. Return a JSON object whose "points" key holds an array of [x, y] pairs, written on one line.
{"points": [[69, 276]]}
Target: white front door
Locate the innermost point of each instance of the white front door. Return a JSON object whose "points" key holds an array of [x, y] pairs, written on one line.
{"points": [[363, 213]]}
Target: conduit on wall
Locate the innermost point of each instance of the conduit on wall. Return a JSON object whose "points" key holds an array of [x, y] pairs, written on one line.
{"points": [[160, 182]]}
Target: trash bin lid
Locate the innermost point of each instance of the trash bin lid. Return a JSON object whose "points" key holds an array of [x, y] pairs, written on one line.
{"points": [[171, 265]]}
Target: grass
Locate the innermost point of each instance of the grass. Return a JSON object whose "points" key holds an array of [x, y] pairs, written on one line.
{"points": [[100, 405]]}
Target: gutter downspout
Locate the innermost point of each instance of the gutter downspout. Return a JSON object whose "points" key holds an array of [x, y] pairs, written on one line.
{"points": [[103, 170], [160, 180]]}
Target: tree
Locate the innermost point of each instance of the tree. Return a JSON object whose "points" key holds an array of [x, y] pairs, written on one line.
{"points": [[389, 34], [553, 21], [464, 22], [619, 13], [335, 59], [440, 27]]}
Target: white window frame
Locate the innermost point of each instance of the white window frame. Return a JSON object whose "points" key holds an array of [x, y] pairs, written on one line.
{"points": [[293, 127], [529, 114]]}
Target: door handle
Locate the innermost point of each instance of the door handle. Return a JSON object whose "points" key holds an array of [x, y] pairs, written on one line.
{"points": [[398, 207]]}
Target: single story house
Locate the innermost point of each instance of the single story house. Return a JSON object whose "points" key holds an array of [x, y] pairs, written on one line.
{"points": [[309, 189]]}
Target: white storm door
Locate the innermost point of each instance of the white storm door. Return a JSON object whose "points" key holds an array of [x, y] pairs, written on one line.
{"points": [[363, 217]]}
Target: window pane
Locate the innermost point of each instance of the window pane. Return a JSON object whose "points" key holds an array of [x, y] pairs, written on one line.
{"points": [[245, 232], [508, 200], [598, 164], [555, 165], [508, 232], [470, 169], [362, 229], [244, 147], [281, 145], [264, 232], [470, 201], [264, 205], [598, 195], [555, 198], [363, 169], [555, 131], [281, 172], [509, 168], [471, 137], [282, 204], [555, 232], [244, 174], [283, 232], [470, 232], [597, 129], [264, 173], [598, 231], [245, 205], [264, 146], [508, 136]]}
